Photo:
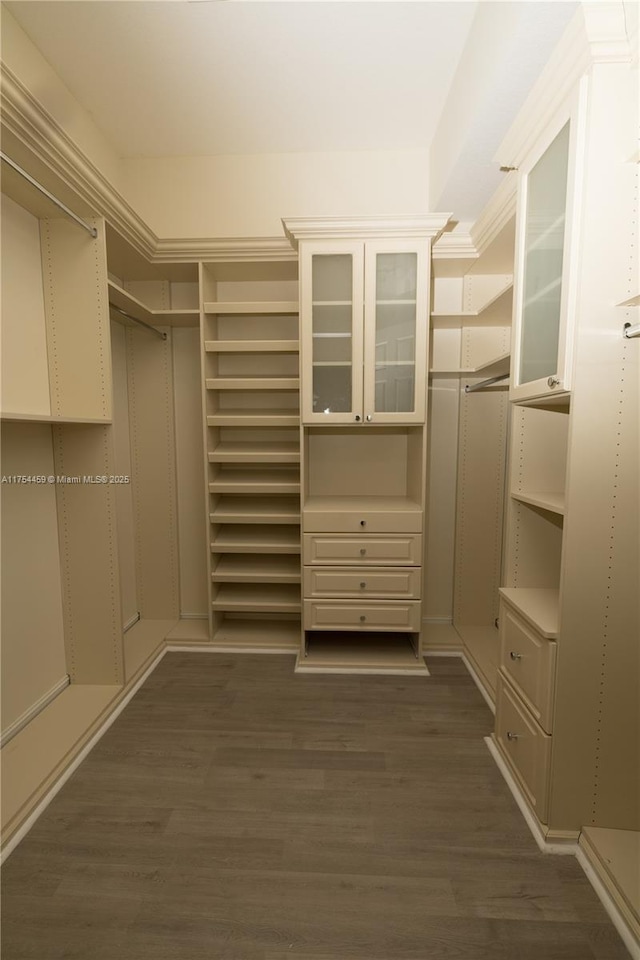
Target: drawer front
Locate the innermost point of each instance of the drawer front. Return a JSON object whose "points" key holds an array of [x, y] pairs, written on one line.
{"points": [[384, 582], [529, 660], [525, 745], [402, 550], [361, 616], [342, 521]]}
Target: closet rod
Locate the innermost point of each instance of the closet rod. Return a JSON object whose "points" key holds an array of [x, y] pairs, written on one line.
{"points": [[147, 326], [471, 388], [74, 216], [631, 330]]}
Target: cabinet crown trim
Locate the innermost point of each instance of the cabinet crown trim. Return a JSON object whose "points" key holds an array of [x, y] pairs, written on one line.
{"points": [[426, 226]]}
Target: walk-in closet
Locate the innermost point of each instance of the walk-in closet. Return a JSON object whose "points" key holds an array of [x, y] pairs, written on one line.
{"points": [[365, 415]]}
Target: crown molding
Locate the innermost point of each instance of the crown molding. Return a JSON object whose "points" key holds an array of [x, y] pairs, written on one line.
{"points": [[596, 34], [497, 213], [425, 226], [217, 250], [25, 117]]}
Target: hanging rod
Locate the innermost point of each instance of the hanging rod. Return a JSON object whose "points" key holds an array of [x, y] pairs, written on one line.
{"points": [[471, 388], [631, 330], [74, 216], [147, 326]]}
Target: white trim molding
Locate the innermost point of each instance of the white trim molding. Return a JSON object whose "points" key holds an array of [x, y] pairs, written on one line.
{"points": [[33, 711], [426, 226]]}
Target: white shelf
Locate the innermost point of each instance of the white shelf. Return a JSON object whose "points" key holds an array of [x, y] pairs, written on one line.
{"points": [[631, 302], [254, 418], [261, 636], [256, 510], [553, 501], [256, 481], [246, 568], [538, 606], [615, 855], [498, 367], [395, 303], [263, 538], [118, 297], [335, 652], [496, 312], [331, 336], [255, 452], [361, 505], [252, 308], [247, 597], [331, 303], [253, 383], [252, 346], [48, 418]]}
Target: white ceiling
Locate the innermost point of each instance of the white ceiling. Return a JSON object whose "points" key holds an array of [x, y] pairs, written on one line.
{"points": [[179, 78]]}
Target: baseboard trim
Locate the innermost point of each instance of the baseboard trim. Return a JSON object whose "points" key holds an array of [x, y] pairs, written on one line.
{"points": [[33, 711], [608, 897]]}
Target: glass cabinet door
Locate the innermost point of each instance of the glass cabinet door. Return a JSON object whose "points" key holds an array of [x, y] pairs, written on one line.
{"points": [[396, 321], [332, 334], [543, 299]]}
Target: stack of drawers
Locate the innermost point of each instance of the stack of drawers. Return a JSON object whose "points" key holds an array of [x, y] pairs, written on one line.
{"points": [[524, 711], [362, 571]]}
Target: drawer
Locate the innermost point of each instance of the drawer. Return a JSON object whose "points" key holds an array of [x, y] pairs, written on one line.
{"points": [[383, 550], [384, 582], [368, 521], [525, 745], [357, 615], [529, 661]]}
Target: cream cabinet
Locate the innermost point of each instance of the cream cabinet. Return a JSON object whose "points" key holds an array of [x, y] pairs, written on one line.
{"points": [[546, 261], [364, 330]]}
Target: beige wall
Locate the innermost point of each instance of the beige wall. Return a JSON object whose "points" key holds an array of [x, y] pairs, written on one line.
{"points": [[24, 59], [33, 655], [246, 196]]}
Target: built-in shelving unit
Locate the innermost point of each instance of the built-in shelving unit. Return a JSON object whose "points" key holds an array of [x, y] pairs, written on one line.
{"points": [[250, 348], [125, 301], [490, 314]]}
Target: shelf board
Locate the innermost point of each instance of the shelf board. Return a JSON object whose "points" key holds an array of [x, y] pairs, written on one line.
{"points": [[249, 598], [553, 501], [362, 505], [252, 346], [48, 418], [252, 308], [260, 636], [631, 302], [332, 303], [395, 303], [190, 630], [537, 605], [496, 312], [254, 418], [252, 383], [265, 538], [256, 481], [615, 855], [246, 568], [276, 510], [341, 652], [118, 297], [258, 452]]}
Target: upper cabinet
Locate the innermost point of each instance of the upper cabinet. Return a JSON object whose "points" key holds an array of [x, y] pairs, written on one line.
{"points": [[544, 298], [364, 309]]}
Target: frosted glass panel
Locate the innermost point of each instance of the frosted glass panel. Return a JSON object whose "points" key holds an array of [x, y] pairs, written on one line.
{"points": [[543, 257], [332, 322], [396, 286]]}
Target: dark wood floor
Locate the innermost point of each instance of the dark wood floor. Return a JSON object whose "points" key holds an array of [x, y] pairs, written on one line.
{"points": [[235, 811]]}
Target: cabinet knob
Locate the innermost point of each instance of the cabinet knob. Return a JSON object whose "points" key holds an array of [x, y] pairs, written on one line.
{"points": [[362, 618], [363, 584], [362, 552], [363, 523], [369, 418], [515, 656], [357, 418], [553, 381], [512, 736]]}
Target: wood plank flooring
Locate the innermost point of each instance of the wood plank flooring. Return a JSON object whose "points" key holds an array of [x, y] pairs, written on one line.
{"points": [[235, 811]]}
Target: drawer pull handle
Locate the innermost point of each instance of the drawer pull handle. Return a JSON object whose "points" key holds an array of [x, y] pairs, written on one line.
{"points": [[363, 523], [362, 618], [515, 656], [512, 736], [363, 584], [362, 551]]}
